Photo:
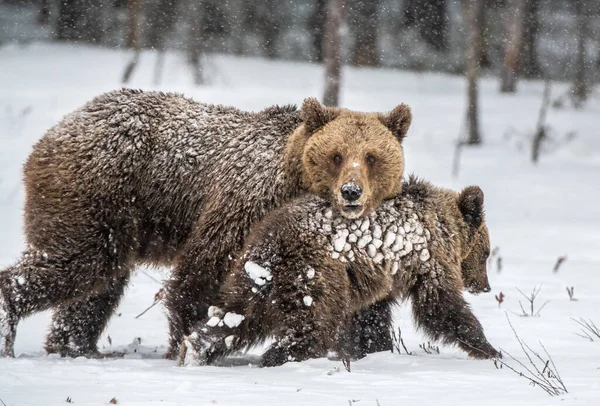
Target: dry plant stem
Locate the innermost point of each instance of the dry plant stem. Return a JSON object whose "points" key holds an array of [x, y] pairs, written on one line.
{"points": [[399, 341], [152, 277], [571, 293], [145, 311], [500, 299], [531, 300], [548, 378], [559, 262], [346, 362], [160, 295], [588, 328]]}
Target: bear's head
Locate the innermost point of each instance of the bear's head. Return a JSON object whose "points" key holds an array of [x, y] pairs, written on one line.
{"points": [[476, 244], [355, 160]]}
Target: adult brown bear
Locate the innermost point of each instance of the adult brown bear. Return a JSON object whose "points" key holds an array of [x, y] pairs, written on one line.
{"points": [[146, 177]]}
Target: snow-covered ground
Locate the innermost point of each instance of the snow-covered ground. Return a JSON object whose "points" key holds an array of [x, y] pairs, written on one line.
{"points": [[535, 214]]}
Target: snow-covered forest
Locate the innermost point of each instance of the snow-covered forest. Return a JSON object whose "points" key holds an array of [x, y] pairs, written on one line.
{"points": [[504, 95]]}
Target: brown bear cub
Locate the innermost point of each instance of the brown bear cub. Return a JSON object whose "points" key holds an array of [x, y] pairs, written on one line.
{"points": [[306, 270], [147, 177]]}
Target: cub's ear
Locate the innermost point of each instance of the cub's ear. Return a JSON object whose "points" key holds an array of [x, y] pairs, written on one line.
{"points": [[470, 203], [315, 115], [398, 120]]}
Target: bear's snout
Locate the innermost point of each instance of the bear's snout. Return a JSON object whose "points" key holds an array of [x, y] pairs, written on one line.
{"points": [[351, 200], [351, 191]]}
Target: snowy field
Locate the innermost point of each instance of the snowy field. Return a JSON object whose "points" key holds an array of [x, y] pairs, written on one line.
{"points": [[535, 214]]}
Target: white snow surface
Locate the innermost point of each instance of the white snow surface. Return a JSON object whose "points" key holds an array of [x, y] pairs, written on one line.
{"points": [[534, 213]]}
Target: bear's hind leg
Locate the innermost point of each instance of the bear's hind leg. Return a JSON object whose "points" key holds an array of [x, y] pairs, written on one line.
{"points": [[76, 327], [43, 280]]}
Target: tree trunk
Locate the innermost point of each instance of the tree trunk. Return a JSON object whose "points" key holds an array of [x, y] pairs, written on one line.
{"points": [[44, 12], [69, 12], [332, 51], [581, 84], [134, 24], [484, 58], [79, 20], [162, 19], [513, 39], [134, 36], [195, 45], [92, 29], [540, 133], [316, 26], [268, 22], [472, 13], [365, 25], [530, 67], [431, 18]]}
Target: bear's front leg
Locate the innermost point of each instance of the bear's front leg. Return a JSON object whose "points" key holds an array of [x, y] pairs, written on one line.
{"points": [[440, 309], [370, 330], [211, 339]]}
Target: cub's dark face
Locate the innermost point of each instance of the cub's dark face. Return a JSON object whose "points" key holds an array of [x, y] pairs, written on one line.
{"points": [[355, 160], [474, 266], [476, 241]]}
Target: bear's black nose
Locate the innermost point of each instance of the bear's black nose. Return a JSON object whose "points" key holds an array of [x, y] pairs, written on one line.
{"points": [[351, 191], [487, 289]]}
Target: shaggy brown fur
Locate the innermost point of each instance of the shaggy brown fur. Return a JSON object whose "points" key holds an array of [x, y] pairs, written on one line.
{"points": [[305, 271], [150, 177], [371, 327]]}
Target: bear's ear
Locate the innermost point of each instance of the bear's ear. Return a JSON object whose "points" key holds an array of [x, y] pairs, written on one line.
{"points": [[398, 120], [315, 115], [470, 203]]}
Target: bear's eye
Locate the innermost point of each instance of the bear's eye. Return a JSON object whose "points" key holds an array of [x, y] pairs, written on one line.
{"points": [[337, 159], [371, 159]]}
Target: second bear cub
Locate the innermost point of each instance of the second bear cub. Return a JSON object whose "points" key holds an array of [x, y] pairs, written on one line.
{"points": [[306, 270]]}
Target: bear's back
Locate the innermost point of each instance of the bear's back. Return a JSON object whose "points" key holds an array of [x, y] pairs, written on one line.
{"points": [[402, 237]]}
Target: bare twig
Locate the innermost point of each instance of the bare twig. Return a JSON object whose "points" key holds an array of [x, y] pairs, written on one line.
{"points": [[571, 293], [559, 262], [2, 402], [157, 298], [531, 300], [545, 376], [588, 328], [500, 299], [429, 349], [152, 277]]}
